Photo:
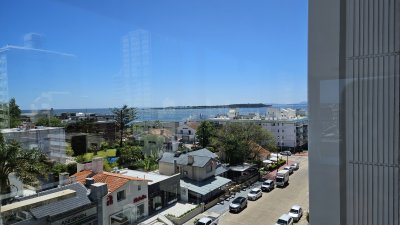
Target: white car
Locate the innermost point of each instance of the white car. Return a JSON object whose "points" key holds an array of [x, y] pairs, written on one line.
{"points": [[285, 219], [268, 185], [254, 194], [296, 212], [295, 166], [290, 169]]}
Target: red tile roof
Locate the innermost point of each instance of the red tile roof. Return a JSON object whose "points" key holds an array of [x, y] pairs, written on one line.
{"points": [[193, 125], [82, 175], [113, 180]]}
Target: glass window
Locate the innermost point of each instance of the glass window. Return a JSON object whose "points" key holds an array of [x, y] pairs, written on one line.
{"points": [[121, 195], [157, 204], [140, 211]]}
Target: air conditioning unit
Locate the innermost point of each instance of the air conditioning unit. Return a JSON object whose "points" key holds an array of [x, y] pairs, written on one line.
{"points": [[24, 215]]}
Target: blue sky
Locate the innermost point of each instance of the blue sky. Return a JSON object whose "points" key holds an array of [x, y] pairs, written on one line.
{"points": [[202, 52]]}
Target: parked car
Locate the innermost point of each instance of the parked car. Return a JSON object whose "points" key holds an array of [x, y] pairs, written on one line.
{"points": [[290, 169], [208, 220], [268, 185], [295, 166], [285, 219], [287, 153], [296, 212], [254, 194], [238, 204]]}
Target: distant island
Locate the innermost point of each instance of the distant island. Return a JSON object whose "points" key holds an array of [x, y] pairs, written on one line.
{"points": [[248, 105]]}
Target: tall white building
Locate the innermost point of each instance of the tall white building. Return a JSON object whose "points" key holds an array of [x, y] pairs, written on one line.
{"points": [[50, 140], [354, 110], [133, 83]]}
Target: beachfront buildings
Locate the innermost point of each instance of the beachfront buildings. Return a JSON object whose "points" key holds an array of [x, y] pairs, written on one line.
{"points": [[187, 131], [289, 129], [50, 140], [354, 99]]}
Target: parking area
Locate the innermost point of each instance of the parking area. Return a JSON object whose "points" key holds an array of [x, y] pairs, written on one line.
{"points": [[271, 205]]}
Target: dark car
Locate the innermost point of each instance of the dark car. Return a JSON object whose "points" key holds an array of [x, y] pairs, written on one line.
{"points": [[238, 204]]}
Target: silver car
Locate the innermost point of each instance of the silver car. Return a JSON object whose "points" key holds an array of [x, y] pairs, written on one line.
{"points": [[290, 169]]}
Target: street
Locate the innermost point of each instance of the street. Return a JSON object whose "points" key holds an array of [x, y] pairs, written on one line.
{"points": [[271, 205]]}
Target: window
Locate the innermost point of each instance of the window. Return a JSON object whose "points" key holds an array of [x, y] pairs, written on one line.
{"points": [[140, 211], [209, 167], [175, 78], [157, 204], [110, 199], [121, 195]]}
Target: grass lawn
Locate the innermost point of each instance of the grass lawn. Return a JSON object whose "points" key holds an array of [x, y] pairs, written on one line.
{"points": [[104, 154]]}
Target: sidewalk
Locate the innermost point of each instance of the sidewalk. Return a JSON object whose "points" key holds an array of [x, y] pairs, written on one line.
{"points": [[271, 175]]}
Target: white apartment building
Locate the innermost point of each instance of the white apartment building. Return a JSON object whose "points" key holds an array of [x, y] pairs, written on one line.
{"points": [[280, 113], [288, 133], [50, 140]]}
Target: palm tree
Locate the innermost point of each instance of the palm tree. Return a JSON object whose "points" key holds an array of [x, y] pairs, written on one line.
{"points": [[123, 116], [27, 165]]}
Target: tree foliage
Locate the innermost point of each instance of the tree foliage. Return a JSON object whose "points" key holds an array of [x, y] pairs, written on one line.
{"points": [[68, 150], [205, 132], [123, 116], [26, 164], [235, 141], [15, 113], [49, 122], [149, 163], [129, 155]]}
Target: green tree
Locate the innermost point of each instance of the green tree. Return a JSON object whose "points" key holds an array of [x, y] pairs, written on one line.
{"points": [[149, 163], [236, 140], [27, 165], [104, 145], [129, 155], [49, 122], [15, 113], [69, 151], [123, 116], [157, 124], [205, 132]]}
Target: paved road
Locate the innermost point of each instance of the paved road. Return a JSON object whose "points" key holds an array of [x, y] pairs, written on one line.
{"points": [[267, 209]]}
